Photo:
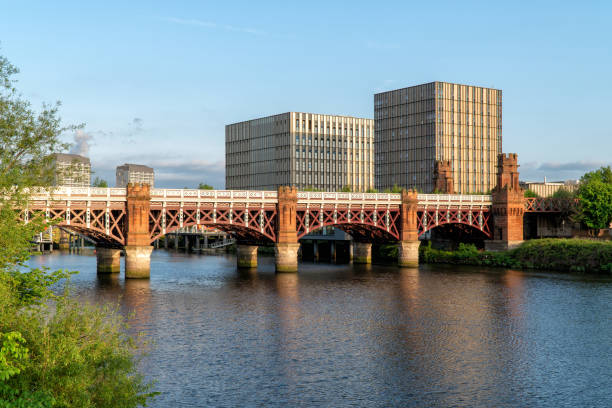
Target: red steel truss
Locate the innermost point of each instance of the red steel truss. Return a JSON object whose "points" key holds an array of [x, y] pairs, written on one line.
{"points": [[104, 224], [252, 224], [367, 224], [430, 218], [548, 204]]}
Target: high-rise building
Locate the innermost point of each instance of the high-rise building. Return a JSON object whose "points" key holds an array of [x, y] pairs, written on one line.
{"points": [[134, 173], [306, 150], [418, 125], [71, 170]]}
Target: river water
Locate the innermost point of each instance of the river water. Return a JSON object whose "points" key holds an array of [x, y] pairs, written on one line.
{"points": [[371, 336]]}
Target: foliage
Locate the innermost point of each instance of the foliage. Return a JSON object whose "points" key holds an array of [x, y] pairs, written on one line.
{"points": [[595, 199], [204, 186], [311, 188], [563, 194], [53, 351], [98, 182], [573, 255], [371, 190], [346, 189], [394, 189], [531, 194]]}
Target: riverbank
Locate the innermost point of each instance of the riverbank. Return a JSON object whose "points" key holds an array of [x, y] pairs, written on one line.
{"points": [[563, 255]]}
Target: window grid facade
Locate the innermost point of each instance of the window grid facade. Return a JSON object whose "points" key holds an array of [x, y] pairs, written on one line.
{"points": [[418, 125], [305, 150], [134, 173], [71, 170]]}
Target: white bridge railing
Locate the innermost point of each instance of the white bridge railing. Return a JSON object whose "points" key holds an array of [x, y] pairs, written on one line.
{"points": [[461, 200], [113, 194]]}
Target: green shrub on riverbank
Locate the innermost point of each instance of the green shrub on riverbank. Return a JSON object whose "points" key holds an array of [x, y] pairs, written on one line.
{"points": [[54, 351], [573, 255]]}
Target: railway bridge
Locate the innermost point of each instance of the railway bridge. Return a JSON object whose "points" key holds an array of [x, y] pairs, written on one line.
{"points": [[132, 218]]}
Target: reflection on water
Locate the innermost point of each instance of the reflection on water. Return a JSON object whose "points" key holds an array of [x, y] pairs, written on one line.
{"points": [[361, 336]]}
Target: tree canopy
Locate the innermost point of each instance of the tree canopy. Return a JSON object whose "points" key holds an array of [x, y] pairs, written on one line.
{"points": [[98, 182], [53, 350], [595, 199], [204, 186]]}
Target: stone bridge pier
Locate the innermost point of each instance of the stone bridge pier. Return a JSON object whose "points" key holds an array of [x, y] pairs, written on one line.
{"points": [[138, 246], [408, 250], [287, 245]]}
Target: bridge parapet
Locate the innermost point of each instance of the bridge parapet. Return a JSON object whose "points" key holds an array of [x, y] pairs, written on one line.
{"points": [[316, 197], [194, 195], [78, 193], [455, 200]]}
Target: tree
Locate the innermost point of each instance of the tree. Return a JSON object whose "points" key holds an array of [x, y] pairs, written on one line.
{"points": [[530, 194], [595, 199], [204, 186], [346, 189], [371, 190], [98, 182], [53, 351], [563, 194]]}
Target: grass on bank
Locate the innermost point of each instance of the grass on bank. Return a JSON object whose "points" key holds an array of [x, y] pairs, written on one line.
{"points": [[566, 255]]}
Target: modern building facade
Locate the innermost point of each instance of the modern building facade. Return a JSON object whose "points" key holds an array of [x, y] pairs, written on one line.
{"points": [[305, 150], [418, 125], [71, 170], [134, 173]]}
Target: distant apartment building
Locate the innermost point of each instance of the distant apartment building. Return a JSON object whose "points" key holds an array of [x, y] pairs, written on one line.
{"points": [[418, 125], [547, 188], [306, 150], [71, 170], [134, 173]]}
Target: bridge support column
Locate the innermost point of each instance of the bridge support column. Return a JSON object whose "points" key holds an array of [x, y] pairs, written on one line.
{"points": [[286, 256], [332, 251], [108, 260], [246, 256], [64, 240], [138, 241], [408, 254], [508, 206], [362, 253], [287, 245], [408, 250], [138, 261]]}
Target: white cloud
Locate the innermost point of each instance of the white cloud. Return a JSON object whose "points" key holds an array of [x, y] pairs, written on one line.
{"points": [[81, 143]]}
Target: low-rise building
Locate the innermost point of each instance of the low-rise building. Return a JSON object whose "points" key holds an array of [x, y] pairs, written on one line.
{"points": [[71, 170], [134, 173], [548, 188]]}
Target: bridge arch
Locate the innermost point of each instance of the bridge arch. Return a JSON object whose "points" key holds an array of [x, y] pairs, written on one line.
{"points": [[104, 225], [476, 218], [253, 225], [364, 224]]}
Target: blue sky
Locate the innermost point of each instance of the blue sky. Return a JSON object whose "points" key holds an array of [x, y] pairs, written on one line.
{"points": [[156, 82]]}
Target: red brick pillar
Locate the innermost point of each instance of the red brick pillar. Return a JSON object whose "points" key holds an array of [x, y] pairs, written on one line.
{"points": [[286, 248], [508, 205], [408, 254], [443, 177], [138, 246]]}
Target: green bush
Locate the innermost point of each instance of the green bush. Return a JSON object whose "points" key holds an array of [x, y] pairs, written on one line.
{"points": [[569, 255]]}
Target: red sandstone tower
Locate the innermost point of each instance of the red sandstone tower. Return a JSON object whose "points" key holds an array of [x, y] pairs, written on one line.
{"points": [[508, 205], [443, 177], [138, 246], [408, 254], [287, 245]]}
